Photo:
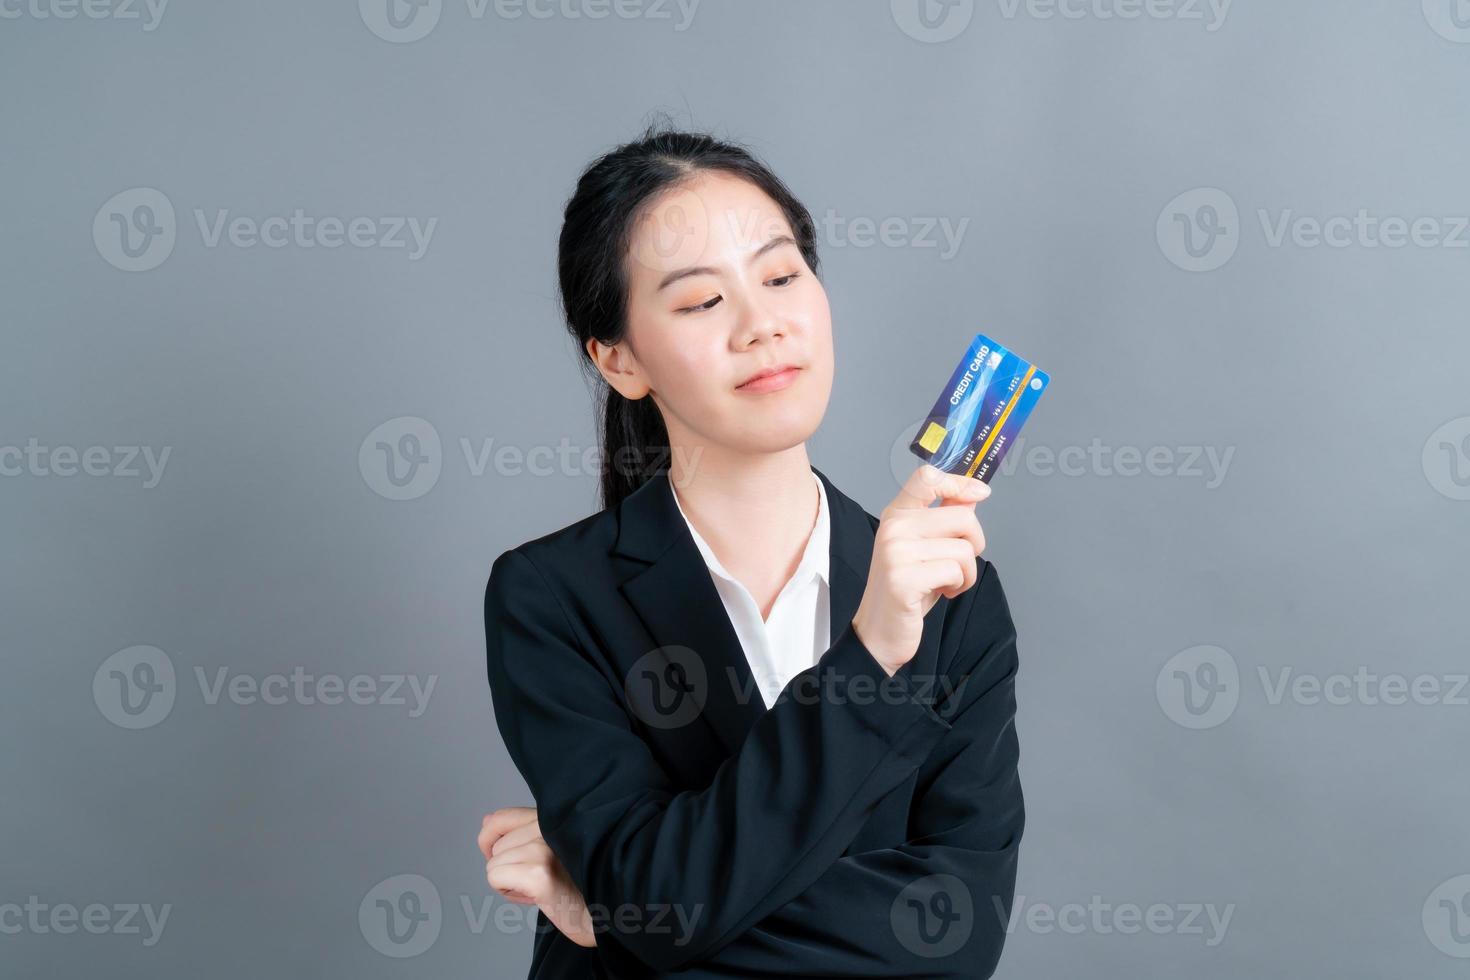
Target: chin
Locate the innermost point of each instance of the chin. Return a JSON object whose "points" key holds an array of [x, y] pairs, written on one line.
{"points": [[779, 433]]}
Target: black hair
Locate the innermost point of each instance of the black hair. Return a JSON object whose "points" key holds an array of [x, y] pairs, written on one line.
{"points": [[592, 257]]}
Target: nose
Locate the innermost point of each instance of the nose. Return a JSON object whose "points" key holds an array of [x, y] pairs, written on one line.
{"points": [[758, 322]]}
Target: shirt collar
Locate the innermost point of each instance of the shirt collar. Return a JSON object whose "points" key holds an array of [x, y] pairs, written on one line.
{"points": [[816, 559]]}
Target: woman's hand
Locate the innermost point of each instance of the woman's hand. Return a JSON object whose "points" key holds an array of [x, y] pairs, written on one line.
{"points": [[919, 554], [521, 867]]}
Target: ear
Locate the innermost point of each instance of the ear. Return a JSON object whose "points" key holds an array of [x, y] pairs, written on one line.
{"points": [[619, 368]]}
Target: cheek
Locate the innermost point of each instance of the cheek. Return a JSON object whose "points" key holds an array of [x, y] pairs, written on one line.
{"points": [[682, 361], [815, 315], [811, 302]]}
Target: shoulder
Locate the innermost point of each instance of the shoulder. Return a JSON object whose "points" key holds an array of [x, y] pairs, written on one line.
{"points": [[560, 556]]}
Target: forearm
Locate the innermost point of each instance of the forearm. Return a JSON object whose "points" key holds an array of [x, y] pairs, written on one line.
{"points": [[938, 904], [773, 819]]}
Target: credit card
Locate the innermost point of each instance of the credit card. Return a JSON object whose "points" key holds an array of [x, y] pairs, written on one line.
{"points": [[976, 418]]}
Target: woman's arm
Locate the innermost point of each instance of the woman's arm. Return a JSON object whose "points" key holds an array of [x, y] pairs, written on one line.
{"points": [[937, 905], [689, 869]]}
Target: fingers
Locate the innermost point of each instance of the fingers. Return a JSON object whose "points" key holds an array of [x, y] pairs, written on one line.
{"points": [[951, 573], [530, 870], [969, 490], [943, 564], [523, 834], [938, 522], [531, 852], [959, 551], [952, 578], [928, 483], [519, 883], [501, 822]]}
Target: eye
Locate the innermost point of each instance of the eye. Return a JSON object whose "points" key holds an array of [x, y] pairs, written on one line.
{"points": [[706, 305], [780, 281]]}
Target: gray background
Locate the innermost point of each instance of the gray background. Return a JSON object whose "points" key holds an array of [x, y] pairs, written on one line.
{"points": [[1335, 376]]}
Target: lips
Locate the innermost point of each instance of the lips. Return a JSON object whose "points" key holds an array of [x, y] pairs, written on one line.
{"points": [[769, 372]]}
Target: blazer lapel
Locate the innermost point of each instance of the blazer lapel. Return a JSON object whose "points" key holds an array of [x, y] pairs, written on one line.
{"points": [[674, 595]]}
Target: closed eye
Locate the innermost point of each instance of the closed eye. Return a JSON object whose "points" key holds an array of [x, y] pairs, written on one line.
{"points": [[706, 305], [780, 282]]}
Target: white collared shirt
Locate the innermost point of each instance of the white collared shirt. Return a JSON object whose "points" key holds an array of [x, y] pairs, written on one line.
{"points": [[798, 630]]}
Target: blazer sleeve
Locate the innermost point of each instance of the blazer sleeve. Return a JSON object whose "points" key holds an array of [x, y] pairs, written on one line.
{"points": [[775, 815], [937, 905]]}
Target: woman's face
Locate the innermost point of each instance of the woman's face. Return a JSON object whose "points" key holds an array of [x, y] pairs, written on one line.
{"points": [[718, 292]]}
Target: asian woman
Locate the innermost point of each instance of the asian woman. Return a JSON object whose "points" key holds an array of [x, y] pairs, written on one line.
{"points": [[767, 733]]}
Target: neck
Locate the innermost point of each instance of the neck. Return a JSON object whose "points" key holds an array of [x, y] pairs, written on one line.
{"points": [[756, 511]]}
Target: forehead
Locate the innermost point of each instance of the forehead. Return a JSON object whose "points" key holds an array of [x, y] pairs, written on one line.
{"points": [[712, 218]]}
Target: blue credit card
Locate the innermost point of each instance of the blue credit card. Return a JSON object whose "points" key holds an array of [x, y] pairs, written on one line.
{"points": [[977, 416]]}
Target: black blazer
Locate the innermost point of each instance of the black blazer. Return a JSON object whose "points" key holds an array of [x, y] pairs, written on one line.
{"points": [[863, 826]]}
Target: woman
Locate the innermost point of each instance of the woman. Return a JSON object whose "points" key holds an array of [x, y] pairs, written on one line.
{"points": [[768, 734]]}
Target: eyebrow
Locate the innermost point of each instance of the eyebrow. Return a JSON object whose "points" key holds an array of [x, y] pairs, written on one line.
{"points": [[705, 270]]}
